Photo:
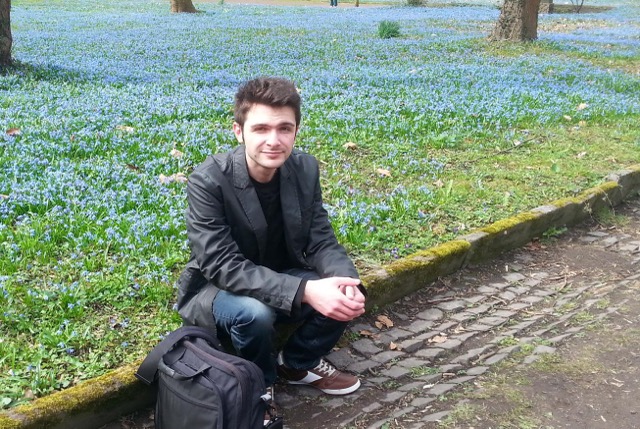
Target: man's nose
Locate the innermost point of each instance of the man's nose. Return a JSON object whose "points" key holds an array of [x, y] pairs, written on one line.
{"points": [[273, 137]]}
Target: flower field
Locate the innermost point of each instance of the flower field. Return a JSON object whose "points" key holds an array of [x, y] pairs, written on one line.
{"points": [[420, 137]]}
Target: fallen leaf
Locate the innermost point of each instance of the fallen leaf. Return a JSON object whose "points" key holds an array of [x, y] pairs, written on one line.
{"points": [[132, 167], [567, 117], [14, 132], [438, 339], [582, 123], [383, 172], [393, 346], [366, 333], [582, 106], [385, 321], [28, 394], [439, 183], [176, 153], [125, 128], [379, 325], [459, 329], [350, 145], [517, 143], [581, 155], [438, 229], [178, 177]]}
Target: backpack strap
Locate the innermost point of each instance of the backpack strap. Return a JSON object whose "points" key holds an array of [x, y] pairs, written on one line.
{"points": [[148, 368]]}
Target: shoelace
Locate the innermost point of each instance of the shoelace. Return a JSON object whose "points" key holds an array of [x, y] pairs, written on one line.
{"points": [[325, 367]]}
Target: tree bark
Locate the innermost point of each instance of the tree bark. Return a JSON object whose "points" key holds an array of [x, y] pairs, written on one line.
{"points": [[5, 32], [518, 21], [178, 6]]}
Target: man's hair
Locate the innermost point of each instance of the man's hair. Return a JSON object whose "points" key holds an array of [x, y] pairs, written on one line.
{"points": [[270, 91]]}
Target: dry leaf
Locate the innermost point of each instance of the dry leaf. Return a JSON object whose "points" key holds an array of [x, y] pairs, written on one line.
{"points": [[459, 329], [14, 132], [393, 346], [28, 394], [176, 153], [581, 155], [383, 172], [385, 321], [132, 167], [567, 117], [438, 339], [379, 325], [178, 177], [438, 229], [582, 123], [439, 183], [366, 333], [125, 128], [582, 106], [350, 145]]}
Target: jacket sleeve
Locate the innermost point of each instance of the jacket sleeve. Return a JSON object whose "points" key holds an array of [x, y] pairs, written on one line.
{"points": [[326, 256], [217, 253]]}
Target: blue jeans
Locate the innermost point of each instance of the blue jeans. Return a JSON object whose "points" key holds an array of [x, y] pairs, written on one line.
{"points": [[334, 3], [251, 326]]}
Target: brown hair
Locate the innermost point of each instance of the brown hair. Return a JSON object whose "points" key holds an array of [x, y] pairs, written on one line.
{"points": [[270, 91]]}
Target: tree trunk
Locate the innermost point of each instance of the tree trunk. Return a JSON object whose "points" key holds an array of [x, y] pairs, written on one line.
{"points": [[518, 21], [178, 6], [5, 32]]}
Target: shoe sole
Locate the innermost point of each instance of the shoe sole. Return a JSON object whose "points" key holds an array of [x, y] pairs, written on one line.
{"points": [[335, 392]]}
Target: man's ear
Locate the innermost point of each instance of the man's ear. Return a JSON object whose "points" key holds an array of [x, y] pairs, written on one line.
{"points": [[237, 130]]}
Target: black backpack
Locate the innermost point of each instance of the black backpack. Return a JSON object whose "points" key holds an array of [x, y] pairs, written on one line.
{"points": [[201, 387]]}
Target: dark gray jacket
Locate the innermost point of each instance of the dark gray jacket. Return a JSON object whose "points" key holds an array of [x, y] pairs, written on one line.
{"points": [[227, 234]]}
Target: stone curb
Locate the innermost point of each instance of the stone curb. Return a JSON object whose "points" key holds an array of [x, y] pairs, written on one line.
{"points": [[96, 402]]}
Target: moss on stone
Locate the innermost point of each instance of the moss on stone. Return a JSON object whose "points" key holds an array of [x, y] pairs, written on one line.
{"points": [[424, 258], [7, 422], [503, 226], [584, 197], [51, 409]]}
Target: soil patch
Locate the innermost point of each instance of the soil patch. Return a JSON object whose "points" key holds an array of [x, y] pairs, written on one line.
{"points": [[568, 8]]}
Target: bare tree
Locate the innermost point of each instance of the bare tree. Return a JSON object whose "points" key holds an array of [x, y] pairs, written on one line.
{"points": [[5, 32], [182, 6], [518, 21]]}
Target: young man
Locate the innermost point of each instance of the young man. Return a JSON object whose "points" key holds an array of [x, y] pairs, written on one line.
{"points": [[262, 248]]}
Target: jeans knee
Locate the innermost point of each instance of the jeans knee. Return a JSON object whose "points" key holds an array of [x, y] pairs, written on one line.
{"points": [[257, 317]]}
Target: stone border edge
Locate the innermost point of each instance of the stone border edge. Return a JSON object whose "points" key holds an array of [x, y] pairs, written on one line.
{"points": [[96, 402]]}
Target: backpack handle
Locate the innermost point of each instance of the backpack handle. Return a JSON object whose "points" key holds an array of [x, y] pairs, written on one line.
{"points": [[149, 366]]}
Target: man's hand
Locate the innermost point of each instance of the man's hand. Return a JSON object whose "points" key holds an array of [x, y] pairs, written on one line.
{"points": [[335, 297]]}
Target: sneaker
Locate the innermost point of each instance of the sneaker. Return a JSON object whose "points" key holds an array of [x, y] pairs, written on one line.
{"points": [[324, 377], [272, 408]]}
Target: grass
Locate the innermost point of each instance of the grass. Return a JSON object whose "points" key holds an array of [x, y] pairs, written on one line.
{"points": [[450, 134]]}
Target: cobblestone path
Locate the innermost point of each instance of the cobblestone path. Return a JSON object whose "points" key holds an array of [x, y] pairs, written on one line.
{"points": [[439, 340]]}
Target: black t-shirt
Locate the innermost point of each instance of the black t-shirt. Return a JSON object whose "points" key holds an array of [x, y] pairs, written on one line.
{"points": [[276, 256]]}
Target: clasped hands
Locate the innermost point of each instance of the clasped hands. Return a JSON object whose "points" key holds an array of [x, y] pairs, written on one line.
{"points": [[336, 297]]}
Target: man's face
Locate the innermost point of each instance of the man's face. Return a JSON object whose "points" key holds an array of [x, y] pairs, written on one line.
{"points": [[268, 134]]}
